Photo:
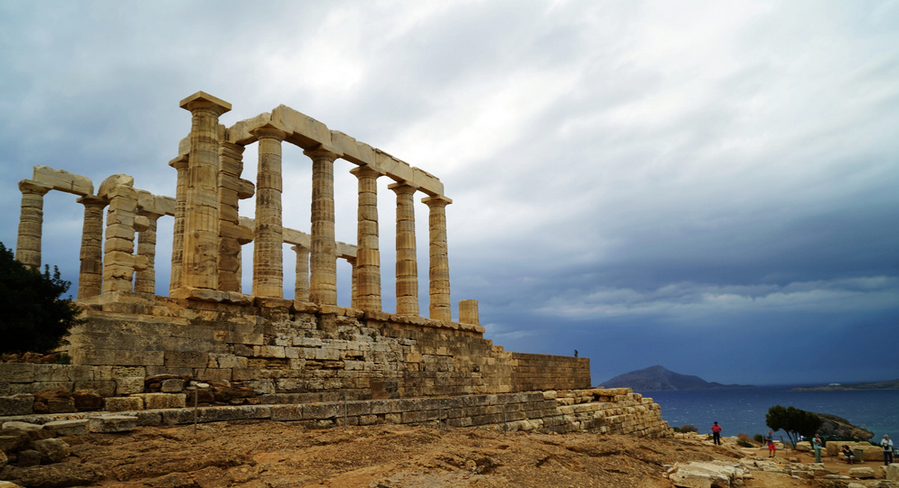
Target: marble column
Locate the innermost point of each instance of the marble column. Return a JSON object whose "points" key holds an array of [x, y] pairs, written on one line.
{"points": [[90, 276], [229, 196], [268, 259], [119, 261], [145, 279], [301, 288], [438, 271], [31, 222], [201, 217], [367, 269], [323, 262], [180, 164], [406, 260]]}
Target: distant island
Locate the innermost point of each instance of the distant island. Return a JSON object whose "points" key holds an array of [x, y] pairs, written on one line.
{"points": [[657, 378], [875, 385]]}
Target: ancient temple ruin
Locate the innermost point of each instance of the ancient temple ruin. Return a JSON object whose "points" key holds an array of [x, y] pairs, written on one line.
{"points": [[140, 350]]}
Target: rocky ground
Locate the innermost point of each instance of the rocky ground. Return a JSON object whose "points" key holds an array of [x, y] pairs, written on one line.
{"points": [[280, 454]]}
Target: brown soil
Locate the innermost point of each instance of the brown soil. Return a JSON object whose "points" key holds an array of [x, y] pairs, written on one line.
{"points": [[277, 454]]}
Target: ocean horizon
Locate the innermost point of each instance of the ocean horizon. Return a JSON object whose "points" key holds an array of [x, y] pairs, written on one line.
{"points": [[742, 410]]}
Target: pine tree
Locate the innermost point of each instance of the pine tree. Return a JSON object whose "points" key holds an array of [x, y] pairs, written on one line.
{"points": [[33, 316]]}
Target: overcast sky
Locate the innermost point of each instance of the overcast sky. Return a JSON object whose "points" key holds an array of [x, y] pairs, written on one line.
{"points": [[708, 186]]}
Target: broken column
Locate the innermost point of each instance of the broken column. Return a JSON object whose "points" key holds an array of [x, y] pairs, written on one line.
{"points": [[119, 262], [31, 221], [180, 164], [201, 217], [230, 186], [301, 287]]}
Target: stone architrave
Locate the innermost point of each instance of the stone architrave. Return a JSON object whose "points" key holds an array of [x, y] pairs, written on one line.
{"points": [[90, 276], [180, 164], [201, 217], [31, 222], [406, 260], [438, 271], [367, 268], [301, 288], [229, 197], [323, 261], [268, 259]]}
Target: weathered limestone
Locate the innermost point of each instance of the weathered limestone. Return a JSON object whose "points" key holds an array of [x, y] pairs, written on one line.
{"points": [[31, 221], [180, 165], [90, 276], [323, 275], [438, 270], [468, 312], [201, 218], [268, 274], [367, 266], [231, 190], [301, 286], [406, 260], [145, 279], [119, 261]]}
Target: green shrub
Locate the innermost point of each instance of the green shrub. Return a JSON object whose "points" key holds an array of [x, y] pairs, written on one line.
{"points": [[687, 428], [743, 440]]}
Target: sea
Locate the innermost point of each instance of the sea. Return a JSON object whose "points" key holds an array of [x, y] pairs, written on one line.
{"points": [[742, 410]]}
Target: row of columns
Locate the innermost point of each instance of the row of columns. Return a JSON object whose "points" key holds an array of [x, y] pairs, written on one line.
{"points": [[196, 188]]}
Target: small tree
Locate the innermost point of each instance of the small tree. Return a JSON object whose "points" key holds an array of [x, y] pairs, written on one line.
{"points": [[33, 317], [793, 421]]}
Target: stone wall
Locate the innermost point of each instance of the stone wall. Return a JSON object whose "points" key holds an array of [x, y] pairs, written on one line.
{"points": [[614, 411], [287, 349]]}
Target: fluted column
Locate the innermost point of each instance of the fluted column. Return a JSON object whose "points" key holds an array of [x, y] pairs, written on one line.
{"points": [[367, 268], [268, 259], [438, 271], [323, 275], [180, 164], [301, 288], [90, 276], [229, 196], [201, 218], [406, 260], [31, 222], [145, 279]]}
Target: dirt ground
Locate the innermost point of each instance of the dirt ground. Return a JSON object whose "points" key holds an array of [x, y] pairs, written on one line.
{"points": [[278, 454]]}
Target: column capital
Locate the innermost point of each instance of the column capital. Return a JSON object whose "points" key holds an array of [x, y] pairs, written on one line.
{"points": [[436, 201], [92, 200], [402, 187], [365, 171], [205, 101], [180, 162], [270, 131], [321, 152], [31, 186]]}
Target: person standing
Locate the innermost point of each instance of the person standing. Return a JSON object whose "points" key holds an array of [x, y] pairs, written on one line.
{"points": [[716, 434], [817, 444], [772, 449], [887, 446]]}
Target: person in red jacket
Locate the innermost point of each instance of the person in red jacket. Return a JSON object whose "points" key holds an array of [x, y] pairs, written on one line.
{"points": [[716, 433]]}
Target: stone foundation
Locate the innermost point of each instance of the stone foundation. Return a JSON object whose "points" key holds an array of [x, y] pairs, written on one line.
{"points": [[613, 411]]}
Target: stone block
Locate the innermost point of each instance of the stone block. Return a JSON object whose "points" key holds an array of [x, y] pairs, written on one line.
{"points": [[128, 386], [153, 401], [104, 388], [172, 385], [68, 427], [112, 423], [21, 404], [17, 372], [64, 181], [862, 473], [287, 412], [123, 404], [186, 359]]}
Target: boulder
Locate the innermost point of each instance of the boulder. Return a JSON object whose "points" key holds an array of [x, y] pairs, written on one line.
{"points": [[87, 400], [892, 472], [21, 404], [52, 400], [705, 475], [52, 450]]}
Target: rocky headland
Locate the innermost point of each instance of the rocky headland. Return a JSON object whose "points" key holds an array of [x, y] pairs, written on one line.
{"points": [[658, 378]]}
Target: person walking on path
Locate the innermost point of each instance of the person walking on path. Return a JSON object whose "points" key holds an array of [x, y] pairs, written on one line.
{"points": [[817, 444], [887, 446], [716, 434], [772, 449]]}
